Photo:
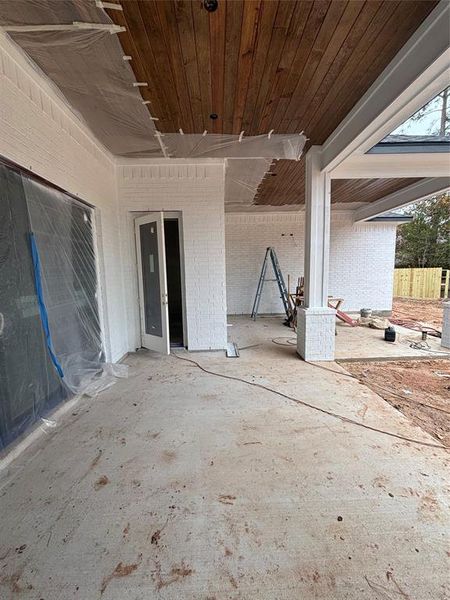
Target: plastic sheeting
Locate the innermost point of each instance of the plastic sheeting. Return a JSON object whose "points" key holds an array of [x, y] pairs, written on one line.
{"points": [[87, 66], [30, 380], [242, 179], [214, 145]]}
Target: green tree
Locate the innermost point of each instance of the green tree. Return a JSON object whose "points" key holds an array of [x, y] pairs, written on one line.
{"points": [[425, 242]]}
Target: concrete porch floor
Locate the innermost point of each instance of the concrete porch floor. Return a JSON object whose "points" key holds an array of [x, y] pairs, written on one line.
{"points": [[176, 484], [352, 343]]}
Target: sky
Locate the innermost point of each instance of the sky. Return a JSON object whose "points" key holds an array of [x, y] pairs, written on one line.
{"points": [[427, 123]]}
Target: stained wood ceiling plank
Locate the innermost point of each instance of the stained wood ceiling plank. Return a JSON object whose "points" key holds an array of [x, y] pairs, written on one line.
{"points": [[366, 190], [399, 30], [298, 23], [203, 52], [286, 185], [135, 44], [233, 19], [164, 37], [283, 20], [183, 20], [396, 31], [319, 64], [316, 19], [347, 49], [155, 56], [346, 77], [263, 41], [217, 33], [306, 72], [250, 19]]}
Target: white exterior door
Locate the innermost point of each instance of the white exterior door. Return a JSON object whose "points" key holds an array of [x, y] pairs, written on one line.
{"points": [[153, 299]]}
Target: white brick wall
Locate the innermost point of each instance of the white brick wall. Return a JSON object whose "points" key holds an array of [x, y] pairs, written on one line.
{"points": [[316, 333], [197, 191], [361, 261], [39, 132]]}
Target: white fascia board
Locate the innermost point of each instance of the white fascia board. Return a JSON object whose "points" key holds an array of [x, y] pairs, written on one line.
{"points": [[418, 72], [385, 166], [417, 191]]}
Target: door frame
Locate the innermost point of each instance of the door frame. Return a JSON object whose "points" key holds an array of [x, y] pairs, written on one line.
{"points": [[169, 214], [158, 343], [178, 215]]}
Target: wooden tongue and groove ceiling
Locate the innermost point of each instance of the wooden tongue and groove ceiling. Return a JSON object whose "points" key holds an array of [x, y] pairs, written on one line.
{"points": [[286, 185], [286, 65]]}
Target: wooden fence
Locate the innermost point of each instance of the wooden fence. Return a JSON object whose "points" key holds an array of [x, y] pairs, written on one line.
{"points": [[421, 283]]}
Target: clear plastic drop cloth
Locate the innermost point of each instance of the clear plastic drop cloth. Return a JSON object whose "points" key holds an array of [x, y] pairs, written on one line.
{"points": [[88, 69], [287, 146], [242, 179], [30, 386], [63, 231], [46, 357], [50, 12]]}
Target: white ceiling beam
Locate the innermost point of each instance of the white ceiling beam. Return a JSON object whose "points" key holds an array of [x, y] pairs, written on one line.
{"points": [[417, 191], [418, 72], [385, 166]]}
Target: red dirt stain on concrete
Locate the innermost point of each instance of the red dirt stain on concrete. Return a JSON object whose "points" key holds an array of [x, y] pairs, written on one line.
{"points": [[121, 570], [101, 482], [381, 481], [227, 499], [177, 573], [169, 456], [96, 460], [429, 509]]}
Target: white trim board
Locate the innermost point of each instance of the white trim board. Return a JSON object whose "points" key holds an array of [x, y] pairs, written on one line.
{"points": [[417, 191], [385, 166]]}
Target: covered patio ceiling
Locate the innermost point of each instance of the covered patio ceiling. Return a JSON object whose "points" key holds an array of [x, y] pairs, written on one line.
{"points": [[249, 67], [259, 65]]}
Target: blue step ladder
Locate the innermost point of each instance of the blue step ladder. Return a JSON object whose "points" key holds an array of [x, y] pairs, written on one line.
{"points": [[271, 254]]}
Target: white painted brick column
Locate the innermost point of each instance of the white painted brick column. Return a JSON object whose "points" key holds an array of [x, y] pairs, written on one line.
{"points": [[445, 341], [316, 322]]}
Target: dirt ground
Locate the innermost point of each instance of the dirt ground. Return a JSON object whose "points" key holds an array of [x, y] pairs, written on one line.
{"points": [[427, 311], [420, 389]]}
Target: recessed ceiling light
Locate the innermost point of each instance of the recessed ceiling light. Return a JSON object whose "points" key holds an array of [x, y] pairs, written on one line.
{"points": [[211, 5]]}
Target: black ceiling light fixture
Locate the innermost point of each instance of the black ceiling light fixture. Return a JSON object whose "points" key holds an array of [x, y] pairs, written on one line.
{"points": [[211, 5], [213, 116]]}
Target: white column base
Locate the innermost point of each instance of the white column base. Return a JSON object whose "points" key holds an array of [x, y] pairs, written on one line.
{"points": [[316, 333], [445, 341]]}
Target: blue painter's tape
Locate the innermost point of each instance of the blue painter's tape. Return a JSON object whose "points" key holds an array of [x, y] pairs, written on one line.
{"points": [[42, 307]]}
